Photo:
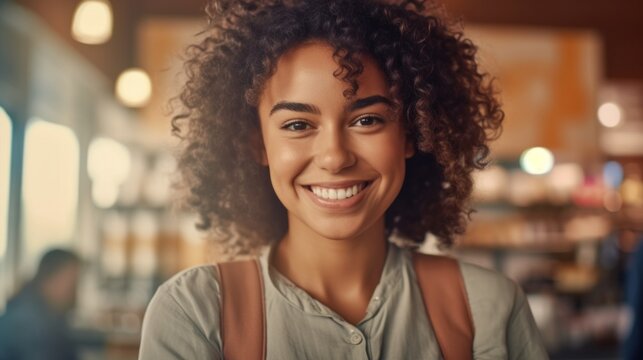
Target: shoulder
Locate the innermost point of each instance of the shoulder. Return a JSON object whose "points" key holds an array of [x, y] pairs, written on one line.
{"points": [[503, 322], [27, 307], [483, 284], [195, 282], [485, 289], [183, 316], [492, 296], [195, 292]]}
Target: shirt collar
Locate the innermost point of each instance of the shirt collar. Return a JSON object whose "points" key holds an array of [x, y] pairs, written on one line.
{"points": [[286, 290]]}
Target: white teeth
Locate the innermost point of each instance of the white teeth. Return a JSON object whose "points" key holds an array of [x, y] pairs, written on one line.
{"points": [[341, 194], [332, 194], [337, 194]]}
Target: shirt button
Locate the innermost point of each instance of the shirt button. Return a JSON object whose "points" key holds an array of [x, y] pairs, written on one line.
{"points": [[355, 338]]}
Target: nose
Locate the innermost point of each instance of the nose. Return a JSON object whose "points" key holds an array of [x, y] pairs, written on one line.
{"points": [[333, 152]]}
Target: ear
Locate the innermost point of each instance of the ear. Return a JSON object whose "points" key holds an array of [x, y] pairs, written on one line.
{"points": [[257, 148], [409, 148]]}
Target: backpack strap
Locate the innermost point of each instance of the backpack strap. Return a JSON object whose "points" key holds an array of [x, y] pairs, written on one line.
{"points": [[243, 324], [446, 304]]}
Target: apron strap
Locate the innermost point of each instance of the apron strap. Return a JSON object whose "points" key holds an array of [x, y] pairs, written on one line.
{"points": [[446, 304], [243, 328]]}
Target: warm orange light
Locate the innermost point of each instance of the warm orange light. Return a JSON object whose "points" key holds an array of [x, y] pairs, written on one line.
{"points": [[93, 22], [134, 88]]}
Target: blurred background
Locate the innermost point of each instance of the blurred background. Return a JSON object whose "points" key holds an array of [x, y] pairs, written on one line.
{"points": [[86, 159]]}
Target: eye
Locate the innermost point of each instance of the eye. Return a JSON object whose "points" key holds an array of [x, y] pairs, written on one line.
{"points": [[296, 125], [368, 121]]}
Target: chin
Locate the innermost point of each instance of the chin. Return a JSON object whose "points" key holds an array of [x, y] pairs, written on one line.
{"points": [[338, 235], [338, 230]]}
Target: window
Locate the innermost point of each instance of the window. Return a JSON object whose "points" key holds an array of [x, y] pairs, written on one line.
{"points": [[5, 176], [50, 188]]}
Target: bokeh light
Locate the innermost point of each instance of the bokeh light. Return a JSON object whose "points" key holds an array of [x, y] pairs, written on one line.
{"points": [[92, 22], [609, 114], [613, 174], [537, 161], [108, 160], [108, 165], [134, 87]]}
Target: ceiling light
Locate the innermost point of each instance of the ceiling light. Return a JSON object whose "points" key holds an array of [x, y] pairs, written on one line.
{"points": [[93, 22], [134, 87]]}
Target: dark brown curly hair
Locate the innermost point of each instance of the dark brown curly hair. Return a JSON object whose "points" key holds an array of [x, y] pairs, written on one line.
{"points": [[448, 105]]}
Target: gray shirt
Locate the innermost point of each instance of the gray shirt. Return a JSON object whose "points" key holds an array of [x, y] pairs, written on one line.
{"points": [[182, 320]]}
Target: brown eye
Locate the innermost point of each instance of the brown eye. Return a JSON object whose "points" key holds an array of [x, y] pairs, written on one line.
{"points": [[366, 121], [296, 126]]}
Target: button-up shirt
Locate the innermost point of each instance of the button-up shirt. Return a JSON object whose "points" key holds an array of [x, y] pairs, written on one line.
{"points": [[183, 319]]}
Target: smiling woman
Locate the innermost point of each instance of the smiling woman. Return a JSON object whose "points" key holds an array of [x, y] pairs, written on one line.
{"points": [[331, 143], [430, 75], [319, 129]]}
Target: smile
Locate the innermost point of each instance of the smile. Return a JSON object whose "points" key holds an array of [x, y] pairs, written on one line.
{"points": [[337, 193], [340, 196]]}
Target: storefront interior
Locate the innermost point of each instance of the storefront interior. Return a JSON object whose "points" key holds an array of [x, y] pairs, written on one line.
{"points": [[87, 159]]}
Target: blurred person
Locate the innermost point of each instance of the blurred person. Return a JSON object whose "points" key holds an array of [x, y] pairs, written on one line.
{"points": [[34, 325], [633, 345], [316, 130]]}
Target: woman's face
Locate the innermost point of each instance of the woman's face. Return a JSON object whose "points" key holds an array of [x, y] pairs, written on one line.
{"points": [[336, 164]]}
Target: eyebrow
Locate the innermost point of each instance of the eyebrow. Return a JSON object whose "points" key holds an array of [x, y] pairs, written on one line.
{"points": [[310, 108], [368, 101], [295, 106]]}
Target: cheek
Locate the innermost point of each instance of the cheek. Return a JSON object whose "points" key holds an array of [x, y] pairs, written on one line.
{"points": [[284, 157], [279, 153], [285, 162], [389, 154]]}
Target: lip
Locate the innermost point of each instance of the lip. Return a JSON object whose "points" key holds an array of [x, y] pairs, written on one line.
{"points": [[345, 204]]}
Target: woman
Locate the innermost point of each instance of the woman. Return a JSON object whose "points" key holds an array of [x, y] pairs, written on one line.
{"points": [[316, 130]]}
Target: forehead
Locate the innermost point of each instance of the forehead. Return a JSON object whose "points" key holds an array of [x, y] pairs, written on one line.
{"points": [[307, 72]]}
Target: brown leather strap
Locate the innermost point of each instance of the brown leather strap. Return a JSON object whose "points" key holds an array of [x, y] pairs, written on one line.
{"points": [[446, 304], [243, 332]]}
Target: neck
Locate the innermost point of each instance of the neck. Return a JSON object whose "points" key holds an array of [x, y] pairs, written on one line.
{"points": [[332, 269]]}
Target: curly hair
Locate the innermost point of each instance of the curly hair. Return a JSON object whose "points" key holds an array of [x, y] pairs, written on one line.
{"points": [[448, 104]]}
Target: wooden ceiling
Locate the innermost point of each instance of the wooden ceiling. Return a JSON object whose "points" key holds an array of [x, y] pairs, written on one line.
{"points": [[619, 23]]}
